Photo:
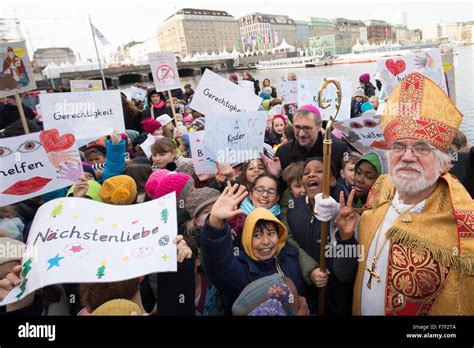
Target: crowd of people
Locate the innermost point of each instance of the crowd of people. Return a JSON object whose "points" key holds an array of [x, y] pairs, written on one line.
{"points": [[249, 235]]}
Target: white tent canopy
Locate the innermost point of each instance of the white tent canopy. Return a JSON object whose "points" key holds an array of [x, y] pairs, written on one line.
{"points": [[284, 47]]}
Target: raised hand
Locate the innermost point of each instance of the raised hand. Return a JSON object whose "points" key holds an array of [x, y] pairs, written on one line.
{"points": [[273, 166], [346, 219], [10, 281], [81, 188], [182, 250], [226, 207], [115, 137], [224, 172]]}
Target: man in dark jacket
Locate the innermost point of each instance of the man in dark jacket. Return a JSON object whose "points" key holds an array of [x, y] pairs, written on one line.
{"points": [[308, 142], [9, 113]]}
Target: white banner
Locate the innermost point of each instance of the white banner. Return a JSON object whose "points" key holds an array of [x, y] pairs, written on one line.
{"points": [[77, 240], [164, 71], [308, 93], [37, 163], [201, 160], [85, 85], [217, 95], [84, 114]]}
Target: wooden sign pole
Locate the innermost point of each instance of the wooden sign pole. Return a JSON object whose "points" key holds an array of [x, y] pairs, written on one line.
{"points": [[22, 113]]}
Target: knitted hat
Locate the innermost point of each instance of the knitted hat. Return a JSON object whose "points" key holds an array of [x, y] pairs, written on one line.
{"points": [[188, 119], [199, 198], [249, 225], [279, 295], [312, 108], [164, 119], [119, 190], [150, 125], [360, 93], [185, 165], [92, 191], [280, 117], [132, 134], [366, 106], [234, 78], [265, 95], [364, 78], [86, 167], [255, 294], [117, 307], [162, 181], [9, 244]]}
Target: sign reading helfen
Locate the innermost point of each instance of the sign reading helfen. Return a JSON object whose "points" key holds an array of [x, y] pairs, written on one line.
{"points": [[84, 114]]}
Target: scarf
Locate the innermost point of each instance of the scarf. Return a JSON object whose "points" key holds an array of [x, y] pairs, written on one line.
{"points": [[248, 207], [159, 105]]}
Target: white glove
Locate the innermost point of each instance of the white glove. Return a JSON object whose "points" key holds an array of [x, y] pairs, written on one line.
{"points": [[325, 209]]}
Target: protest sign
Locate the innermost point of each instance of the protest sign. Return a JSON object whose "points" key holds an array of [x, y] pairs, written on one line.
{"points": [[217, 95], [164, 71], [393, 70], [448, 68], [288, 90], [247, 85], [16, 75], [236, 137], [85, 85], [77, 240], [308, 93], [84, 114], [364, 133], [146, 145], [201, 160], [37, 163], [137, 93]]}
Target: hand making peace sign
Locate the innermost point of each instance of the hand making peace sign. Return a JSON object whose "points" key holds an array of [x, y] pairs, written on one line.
{"points": [[346, 219]]}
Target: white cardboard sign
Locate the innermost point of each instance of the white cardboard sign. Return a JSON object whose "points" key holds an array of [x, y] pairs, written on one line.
{"points": [[77, 240], [289, 91], [201, 160], [164, 71]]}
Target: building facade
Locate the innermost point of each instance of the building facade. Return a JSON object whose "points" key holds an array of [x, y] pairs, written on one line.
{"points": [[195, 30], [320, 27], [356, 28], [56, 55], [264, 31], [330, 45], [302, 34], [379, 31]]}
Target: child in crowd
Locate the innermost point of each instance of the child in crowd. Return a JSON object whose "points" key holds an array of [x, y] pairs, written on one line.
{"points": [[273, 137], [265, 250], [164, 155], [346, 178], [11, 225], [366, 170]]}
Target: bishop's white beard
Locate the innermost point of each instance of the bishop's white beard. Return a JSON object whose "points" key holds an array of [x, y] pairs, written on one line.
{"points": [[416, 182]]}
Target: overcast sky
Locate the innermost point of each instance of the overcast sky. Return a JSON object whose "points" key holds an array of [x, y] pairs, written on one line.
{"points": [[65, 23]]}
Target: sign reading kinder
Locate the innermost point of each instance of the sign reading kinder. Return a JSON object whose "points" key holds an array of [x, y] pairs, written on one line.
{"points": [[84, 114], [236, 137], [37, 163], [217, 95], [164, 71], [77, 240]]}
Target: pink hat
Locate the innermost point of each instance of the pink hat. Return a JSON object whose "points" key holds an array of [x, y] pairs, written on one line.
{"points": [[280, 117], [162, 181], [150, 125], [312, 108], [364, 78], [188, 119]]}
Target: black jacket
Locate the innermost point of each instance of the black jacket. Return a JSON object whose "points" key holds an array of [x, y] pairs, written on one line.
{"points": [[156, 112], [463, 169], [369, 89], [10, 114]]}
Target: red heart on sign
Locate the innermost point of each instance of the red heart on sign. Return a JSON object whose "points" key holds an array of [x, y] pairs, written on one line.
{"points": [[53, 142], [395, 67]]}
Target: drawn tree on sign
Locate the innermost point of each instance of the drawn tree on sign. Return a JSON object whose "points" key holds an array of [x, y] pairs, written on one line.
{"points": [[24, 272], [101, 271], [164, 215]]}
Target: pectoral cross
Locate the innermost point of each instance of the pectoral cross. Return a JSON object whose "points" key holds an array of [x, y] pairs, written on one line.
{"points": [[371, 270]]}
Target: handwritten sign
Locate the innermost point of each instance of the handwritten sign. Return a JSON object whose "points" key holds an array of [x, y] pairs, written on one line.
{"points": [[393, 70], [364, 133], [248, 85], [84, 114], [77, 240], [217, 95], [16, 75], [85, 85], [37, 163], [289, 91], [164, 71], [201, 160], [308, 93], [137, 93], [236, 137]]}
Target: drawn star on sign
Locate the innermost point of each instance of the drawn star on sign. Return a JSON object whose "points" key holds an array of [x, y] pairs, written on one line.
{"points": [[165, 257], [54, 261]]}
